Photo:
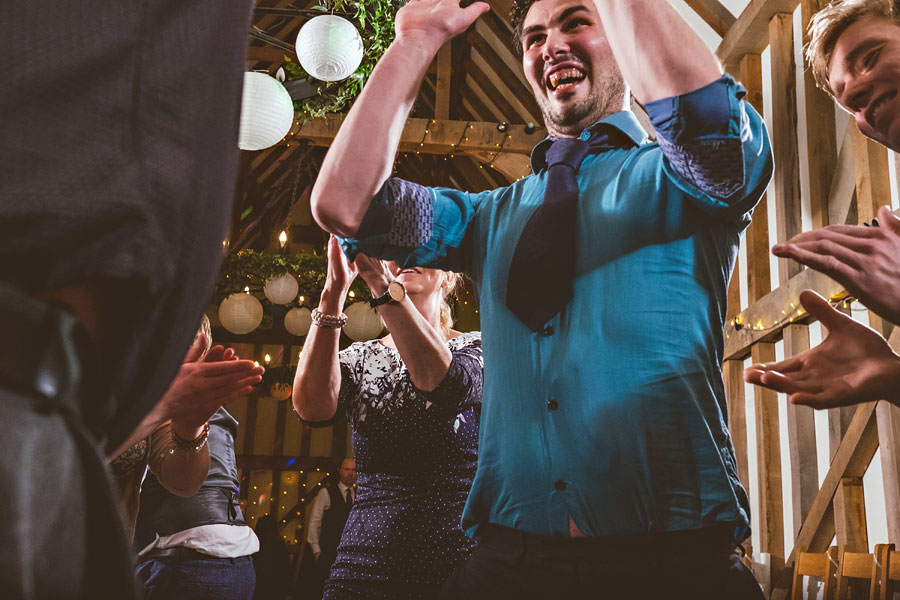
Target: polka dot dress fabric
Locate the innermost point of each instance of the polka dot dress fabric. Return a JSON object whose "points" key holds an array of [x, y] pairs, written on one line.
{"points": [[416, 454]]}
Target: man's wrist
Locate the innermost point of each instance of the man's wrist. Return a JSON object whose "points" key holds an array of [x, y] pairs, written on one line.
{"points": [[419, 44]]}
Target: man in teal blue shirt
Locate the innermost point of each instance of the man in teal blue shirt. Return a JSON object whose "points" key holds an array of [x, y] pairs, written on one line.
{"points": [[604, 442]]}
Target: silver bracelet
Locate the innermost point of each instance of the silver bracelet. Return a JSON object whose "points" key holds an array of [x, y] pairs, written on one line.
{"points": [[328, 321]]}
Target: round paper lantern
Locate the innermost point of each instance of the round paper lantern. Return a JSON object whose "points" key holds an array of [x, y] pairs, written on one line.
{"points": [[297, 321], [280, 391], [240, 313], [363, 323], [267, 112], [329, 48], [281, 289]]}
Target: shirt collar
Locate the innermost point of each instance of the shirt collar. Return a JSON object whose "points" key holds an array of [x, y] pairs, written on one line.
{"points": [[624, 121]]}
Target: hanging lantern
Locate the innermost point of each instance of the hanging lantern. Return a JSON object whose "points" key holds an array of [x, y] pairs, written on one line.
{"points": [[240, 313], [297, 321], [363, 323], [267, 112], [280, 391], [329, 48], [282, 289]]}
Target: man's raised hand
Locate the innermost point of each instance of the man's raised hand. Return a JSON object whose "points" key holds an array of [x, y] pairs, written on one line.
{"points": [[436, 21]]}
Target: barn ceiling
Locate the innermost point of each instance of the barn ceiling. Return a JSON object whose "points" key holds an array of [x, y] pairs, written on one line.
{"points": [[472, 127]]}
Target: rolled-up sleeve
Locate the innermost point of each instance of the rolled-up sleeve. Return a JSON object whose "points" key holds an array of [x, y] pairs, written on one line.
{"points": [[716, 147], [415, 225]]}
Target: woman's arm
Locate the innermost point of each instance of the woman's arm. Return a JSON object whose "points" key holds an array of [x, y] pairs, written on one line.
{"points": [[317, 382], [180, 470], [463, 385], [422, 347]]}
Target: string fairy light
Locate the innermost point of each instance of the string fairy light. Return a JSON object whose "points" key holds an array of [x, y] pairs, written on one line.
{"points": [[797, 313]]}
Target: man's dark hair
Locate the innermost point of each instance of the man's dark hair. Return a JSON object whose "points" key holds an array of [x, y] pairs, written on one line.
{"points": [[516, 18]]}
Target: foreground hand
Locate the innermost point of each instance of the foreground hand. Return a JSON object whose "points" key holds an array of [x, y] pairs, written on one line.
{"points": [[853, 364], [865, 260], [341, 272], [436, 20], [376, 273], [202, 387]]}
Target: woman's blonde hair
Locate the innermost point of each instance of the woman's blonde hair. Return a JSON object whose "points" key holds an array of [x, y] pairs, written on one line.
{"points": [[449, 295], [828, 24]]}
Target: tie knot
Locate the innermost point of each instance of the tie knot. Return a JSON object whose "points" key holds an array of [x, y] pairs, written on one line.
{"points": [[567, 151]]}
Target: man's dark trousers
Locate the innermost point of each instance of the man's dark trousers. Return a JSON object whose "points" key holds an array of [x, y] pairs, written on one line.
{"points": [[513, 564]]}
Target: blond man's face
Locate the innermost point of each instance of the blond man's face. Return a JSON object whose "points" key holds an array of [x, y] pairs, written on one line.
{"points": [[864, 75]]}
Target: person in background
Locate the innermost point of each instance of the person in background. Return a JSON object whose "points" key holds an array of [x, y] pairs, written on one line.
{"points": [[412, 400], [272, 563], [209, 377], [327, 517], [854, 52], [198, 547]]}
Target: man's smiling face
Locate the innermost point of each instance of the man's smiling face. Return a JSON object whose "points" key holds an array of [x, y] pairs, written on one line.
{"points": [[570, 66], [864, 74]]}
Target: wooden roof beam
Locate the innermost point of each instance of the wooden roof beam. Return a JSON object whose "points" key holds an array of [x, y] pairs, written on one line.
{"points": [[442, 137], [750, 32], [716, 16], [442, 88]]}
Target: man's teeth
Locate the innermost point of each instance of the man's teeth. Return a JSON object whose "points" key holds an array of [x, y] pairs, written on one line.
{"points": [[563, 77]]}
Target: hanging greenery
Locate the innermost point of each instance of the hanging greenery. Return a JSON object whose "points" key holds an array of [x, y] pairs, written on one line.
{"points": [[375, 22], [249, 268]]}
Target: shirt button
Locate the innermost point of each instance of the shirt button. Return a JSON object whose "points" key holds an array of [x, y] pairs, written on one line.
{"points": [[560, 485], [546, 331], [552, 405]]}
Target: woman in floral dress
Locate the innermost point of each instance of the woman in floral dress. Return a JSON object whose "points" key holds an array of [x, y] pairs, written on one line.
{"points": [[413, 400]]}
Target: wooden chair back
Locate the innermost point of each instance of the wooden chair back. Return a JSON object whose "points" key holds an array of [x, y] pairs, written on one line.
{"points": [[822, 565], [856, 565], [888, 565]]}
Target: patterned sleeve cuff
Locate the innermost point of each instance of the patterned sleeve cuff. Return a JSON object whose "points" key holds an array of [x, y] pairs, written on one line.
{"points": [[401, 215], [700, 135]]}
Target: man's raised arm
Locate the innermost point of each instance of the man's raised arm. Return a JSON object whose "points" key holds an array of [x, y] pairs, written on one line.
{"points": [[362, 154], [659, 54]]}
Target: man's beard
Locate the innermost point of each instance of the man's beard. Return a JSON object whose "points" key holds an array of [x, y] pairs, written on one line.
{"points": [[599, 104]]}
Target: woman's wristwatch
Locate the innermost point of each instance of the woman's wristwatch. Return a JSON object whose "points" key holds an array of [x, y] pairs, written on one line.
{"points": [[396, 292]]}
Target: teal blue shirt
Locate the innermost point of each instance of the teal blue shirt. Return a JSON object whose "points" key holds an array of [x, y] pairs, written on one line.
{"points": [[615, 414]]}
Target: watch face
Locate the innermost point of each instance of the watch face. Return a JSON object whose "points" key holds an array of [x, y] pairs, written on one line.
{"points": [[397, 291]]}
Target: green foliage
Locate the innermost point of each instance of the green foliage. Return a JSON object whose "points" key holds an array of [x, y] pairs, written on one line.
{"points": [[375, 21], [249, 268]]}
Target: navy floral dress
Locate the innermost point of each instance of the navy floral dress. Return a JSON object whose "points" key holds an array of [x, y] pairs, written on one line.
{"points": [[416, 454]]}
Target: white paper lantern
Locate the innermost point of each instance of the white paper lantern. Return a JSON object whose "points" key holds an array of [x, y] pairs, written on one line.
{"points": [[280, 391], [282, 289], [267, 112], [329, 48], [363, 323], [297, 321], [240, 313]]}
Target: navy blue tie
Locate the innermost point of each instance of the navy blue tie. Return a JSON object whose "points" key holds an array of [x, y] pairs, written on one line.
{"points": [[542, 271]]}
